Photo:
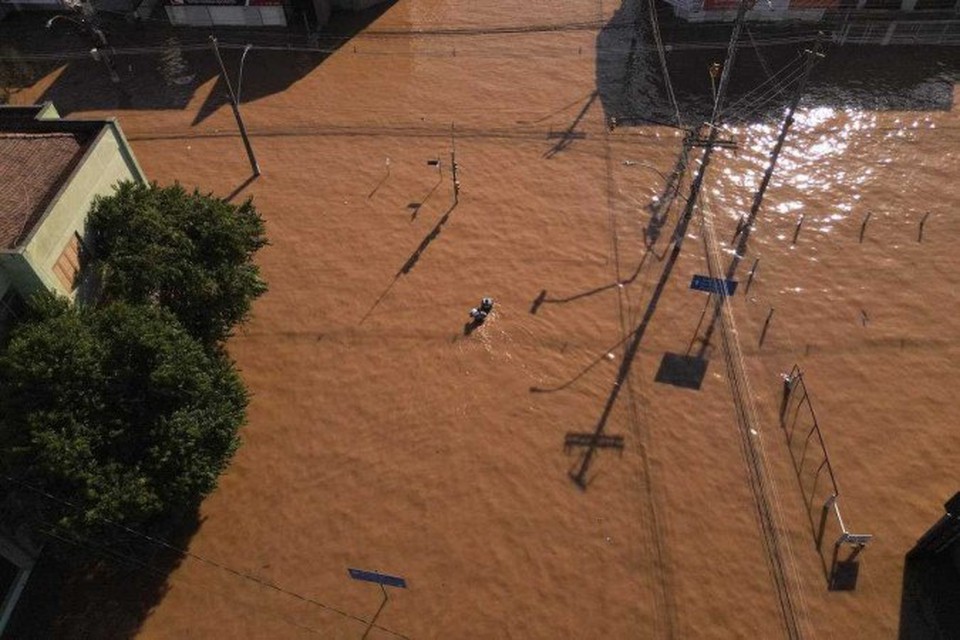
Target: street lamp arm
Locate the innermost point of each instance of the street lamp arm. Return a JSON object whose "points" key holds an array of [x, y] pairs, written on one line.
{"points": [[50, 22], [246, 50]]}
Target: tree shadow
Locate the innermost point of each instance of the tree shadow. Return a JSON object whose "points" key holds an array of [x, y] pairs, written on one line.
{"points": [[97, 588], [177, 61]]}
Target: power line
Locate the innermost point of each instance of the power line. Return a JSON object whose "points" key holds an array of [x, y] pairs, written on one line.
{"points": [[746, 111], [655, 27], [763, 87]]}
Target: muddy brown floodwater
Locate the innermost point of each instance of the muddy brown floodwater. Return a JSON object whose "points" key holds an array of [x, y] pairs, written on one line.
{"points": [[381, 436]]}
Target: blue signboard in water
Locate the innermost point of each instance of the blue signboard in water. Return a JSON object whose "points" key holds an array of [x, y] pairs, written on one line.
{"points": [[713, 285], [379, 578]]}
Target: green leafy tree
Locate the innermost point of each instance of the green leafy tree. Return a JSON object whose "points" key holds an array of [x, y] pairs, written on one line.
{"points": [[188, 252], [116, 410]]}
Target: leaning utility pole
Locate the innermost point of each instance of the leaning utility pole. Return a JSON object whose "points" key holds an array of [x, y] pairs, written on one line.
{"points": [[236, 109]]}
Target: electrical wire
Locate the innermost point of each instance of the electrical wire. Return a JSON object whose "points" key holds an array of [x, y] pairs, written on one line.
{"points": [[788, 69], [661, 54]]}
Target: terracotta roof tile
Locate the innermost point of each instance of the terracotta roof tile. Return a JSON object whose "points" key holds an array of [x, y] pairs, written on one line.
{"points": [[33, 166]]}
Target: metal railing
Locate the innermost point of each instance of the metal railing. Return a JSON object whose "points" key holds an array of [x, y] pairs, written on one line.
{"points": [[795, 408]]}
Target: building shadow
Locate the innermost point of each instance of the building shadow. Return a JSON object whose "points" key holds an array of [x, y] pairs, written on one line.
{"points": [[171, 63], [632, 90], [930, 599], [99, 589]]}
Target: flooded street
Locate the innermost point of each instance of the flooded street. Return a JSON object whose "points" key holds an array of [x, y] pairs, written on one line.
{"points": [[383, 435]]}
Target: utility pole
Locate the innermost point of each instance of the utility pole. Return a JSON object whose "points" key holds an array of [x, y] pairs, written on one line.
{"points": [[453, 164], [234, 103]]}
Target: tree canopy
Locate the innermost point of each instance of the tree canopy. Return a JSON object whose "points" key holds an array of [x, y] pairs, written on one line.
{"points": [[115, 409], [188, 252]]}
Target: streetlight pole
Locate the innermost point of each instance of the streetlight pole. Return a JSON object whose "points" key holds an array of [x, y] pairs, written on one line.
{"points": [[99, 52], [235, 104]]}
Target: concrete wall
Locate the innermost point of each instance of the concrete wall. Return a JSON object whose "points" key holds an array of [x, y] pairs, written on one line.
{"points": [[107, 161]]}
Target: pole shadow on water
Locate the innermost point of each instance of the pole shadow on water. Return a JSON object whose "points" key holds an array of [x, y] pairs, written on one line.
{"points": [[413, 259], [240, 187], [542, 298], [414, 207], [923, 221], [579, 476], [556, 112], [568, 135], [659, 209]]}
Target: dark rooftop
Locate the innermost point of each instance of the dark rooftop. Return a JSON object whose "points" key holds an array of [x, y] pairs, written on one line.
{"points": [[36, 158]]}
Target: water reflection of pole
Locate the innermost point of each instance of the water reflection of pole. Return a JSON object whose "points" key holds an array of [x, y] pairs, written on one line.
{"points": [[812, 55]]}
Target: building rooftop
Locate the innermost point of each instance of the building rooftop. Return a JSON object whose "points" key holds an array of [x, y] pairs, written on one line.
{"points": [[36, 158]]}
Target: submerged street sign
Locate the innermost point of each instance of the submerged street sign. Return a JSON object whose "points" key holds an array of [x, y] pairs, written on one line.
{"points": [[713, 285], [379, 578]]}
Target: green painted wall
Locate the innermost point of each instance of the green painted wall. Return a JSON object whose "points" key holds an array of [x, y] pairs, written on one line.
{"points": [[107, 162]]}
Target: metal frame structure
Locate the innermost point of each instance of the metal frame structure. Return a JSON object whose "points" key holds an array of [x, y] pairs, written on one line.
{"points": [[792, 382]]}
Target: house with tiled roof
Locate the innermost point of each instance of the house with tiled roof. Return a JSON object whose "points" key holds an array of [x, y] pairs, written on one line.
{"points": [[51, 169]]}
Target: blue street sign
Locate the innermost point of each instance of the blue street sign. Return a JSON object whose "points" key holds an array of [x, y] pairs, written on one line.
{"points": [[713, 285], [379, 578]]}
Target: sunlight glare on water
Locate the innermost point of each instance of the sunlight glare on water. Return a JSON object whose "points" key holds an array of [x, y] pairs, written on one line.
{"points": [[810, 163]]}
